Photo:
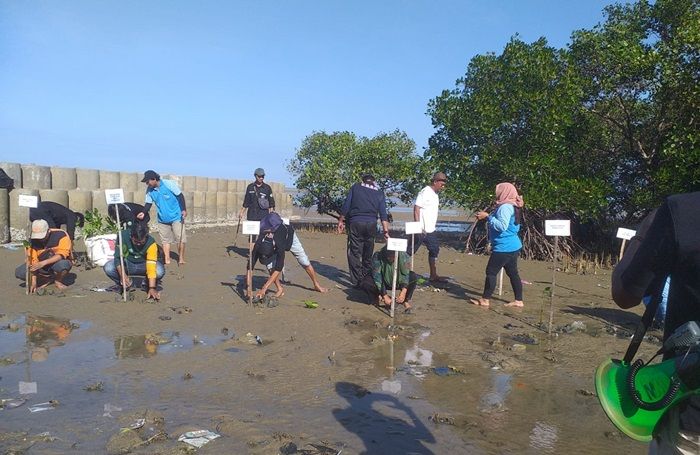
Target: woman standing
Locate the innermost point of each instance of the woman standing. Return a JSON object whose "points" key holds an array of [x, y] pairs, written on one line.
{"points": [[504, 225]]}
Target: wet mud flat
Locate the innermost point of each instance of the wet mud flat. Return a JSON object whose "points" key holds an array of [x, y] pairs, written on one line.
{"points": [[134, 376]]}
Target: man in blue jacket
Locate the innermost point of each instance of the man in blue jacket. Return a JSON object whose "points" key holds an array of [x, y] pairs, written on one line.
{"points": [[363, 205], [170, 203]]}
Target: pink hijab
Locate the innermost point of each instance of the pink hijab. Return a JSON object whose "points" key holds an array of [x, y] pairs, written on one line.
{"points": [[507, 194]]}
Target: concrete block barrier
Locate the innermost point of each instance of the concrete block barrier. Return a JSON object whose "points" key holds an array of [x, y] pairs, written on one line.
{"points": [[109, 180], [233, 206], [130, 181], [198, 206], [221, 209], [14, 170], [4, 215], [189, 205], [99, 201], [212, 185], [210, 207], [87, 179], [189, 183], [58, 196], [202, 183], [80, 200], [63, 178], [36, 177], [221, 185], [19, 216]]}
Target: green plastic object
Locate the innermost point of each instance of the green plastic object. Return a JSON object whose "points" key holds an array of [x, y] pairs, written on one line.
{"points": [[652, 382]]}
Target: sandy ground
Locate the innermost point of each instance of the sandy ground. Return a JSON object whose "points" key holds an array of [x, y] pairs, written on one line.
{"points": [[340, 378]]}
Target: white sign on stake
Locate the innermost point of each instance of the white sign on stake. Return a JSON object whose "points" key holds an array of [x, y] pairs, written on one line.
{"points": [[393, 244], [251, 227], [625, 234], [26, 200], [560, 228], [413, 227], [115, 196]]}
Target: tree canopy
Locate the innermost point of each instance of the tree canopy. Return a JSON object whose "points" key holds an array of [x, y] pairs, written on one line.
{"points": [[326, 165]]}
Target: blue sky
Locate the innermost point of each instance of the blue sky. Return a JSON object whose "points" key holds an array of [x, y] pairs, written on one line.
{"points": [[218, 88]]}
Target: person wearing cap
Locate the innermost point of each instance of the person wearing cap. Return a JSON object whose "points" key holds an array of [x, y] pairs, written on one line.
{"points": [[50, 257], [170, 204], [128, 211], [270, 248], [258, 200], [425, 211], [140, 258], [56, 215], [363, 205]]}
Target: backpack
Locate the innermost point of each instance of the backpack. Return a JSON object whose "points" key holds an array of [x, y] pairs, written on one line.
{"points": [[290, 237], [6, 181]]}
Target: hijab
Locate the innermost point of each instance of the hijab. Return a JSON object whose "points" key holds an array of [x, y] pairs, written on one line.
{"points": [[507, 194]]}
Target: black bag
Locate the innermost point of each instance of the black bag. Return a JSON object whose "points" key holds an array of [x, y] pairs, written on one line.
{"points": [[6, 181], [263, 202], [290, 237]]}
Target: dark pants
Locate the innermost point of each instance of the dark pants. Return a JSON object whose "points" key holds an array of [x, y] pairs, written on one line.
{"points": [[497, 261], [50, 271], [430, 241], [367, 284], [360, 249]]}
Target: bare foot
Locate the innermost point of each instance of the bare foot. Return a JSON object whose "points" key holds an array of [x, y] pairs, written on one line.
{"points": [[479, 302], [320, 288], [167, 262], [279, 293], [60, 286], [515, 304], [181, 262]]}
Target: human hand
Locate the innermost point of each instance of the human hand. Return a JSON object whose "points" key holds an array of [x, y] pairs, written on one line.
{"points": [[153, 294], [387, 299], [482, 215], [341, 226], [184, 214], [140, 215], [36, 266]]}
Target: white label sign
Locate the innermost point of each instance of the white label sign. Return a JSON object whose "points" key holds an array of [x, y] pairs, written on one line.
{"points": [[285, 221], [413, 227], [626, 234], [26, 200], [561, 228], [251, 227], [396, 244], [114, 196]]}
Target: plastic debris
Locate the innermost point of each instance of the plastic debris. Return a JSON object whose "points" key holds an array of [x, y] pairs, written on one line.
{"points": [[198, 438], [258, 339], [43, 406], [137, 424], [310, 304], [109, 409], [9, 403]]}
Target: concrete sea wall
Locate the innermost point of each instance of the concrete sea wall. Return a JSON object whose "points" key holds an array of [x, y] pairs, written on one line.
{"points": [[211, 201]]}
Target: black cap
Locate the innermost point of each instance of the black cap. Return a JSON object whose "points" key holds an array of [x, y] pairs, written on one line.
{"points": [[150, 174], [367, 177]]}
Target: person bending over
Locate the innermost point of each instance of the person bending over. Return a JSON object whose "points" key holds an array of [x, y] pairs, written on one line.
{"points": [[56, 215]]}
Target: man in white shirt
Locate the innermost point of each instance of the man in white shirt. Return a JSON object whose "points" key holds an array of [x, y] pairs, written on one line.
{"points": [[425, 211]]}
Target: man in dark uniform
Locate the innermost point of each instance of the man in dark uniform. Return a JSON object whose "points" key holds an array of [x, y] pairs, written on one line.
{"points": [[363, 205], [667, 244], [128, 212], [258, 200]]}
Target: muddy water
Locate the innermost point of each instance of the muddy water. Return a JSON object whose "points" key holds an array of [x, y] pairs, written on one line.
{"points": [[413, 400]]}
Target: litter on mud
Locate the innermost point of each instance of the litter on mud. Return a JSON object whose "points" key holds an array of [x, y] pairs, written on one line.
{"points": [[43, 406], [198, 438], [10, 403]]}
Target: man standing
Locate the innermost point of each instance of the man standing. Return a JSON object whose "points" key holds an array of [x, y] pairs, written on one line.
{"points": [[49, 257], [425, 210], [258, 199], [667, 244], [363, 204], [170, 203], [140, 258]]}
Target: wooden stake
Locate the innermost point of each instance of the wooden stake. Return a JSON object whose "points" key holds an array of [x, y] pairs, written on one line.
{"points": [[393, 284], [551, 293], [121, 254], [622, 249], [249, 273], [413, 249]]}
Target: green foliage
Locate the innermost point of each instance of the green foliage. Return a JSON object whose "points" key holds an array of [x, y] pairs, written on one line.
{"points": [[96, 224], [326, 165]]}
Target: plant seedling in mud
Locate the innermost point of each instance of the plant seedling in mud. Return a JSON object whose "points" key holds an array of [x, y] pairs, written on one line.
{"points": [[310, 304]]}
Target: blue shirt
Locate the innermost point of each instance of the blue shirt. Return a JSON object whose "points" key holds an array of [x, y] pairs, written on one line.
{"points": [[165, 199], [503, 231]]}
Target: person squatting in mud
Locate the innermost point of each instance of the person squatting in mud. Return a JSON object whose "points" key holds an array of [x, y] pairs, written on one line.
{"points": [[378, 284], [49, 257], [140, 259]]}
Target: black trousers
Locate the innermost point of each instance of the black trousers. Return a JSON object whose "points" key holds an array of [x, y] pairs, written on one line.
{"points": [[508, 261], [360, 249], [373, 292]]}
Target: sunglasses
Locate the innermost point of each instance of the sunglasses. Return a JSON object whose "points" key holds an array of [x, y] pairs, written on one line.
{"points": [[261, 176]]}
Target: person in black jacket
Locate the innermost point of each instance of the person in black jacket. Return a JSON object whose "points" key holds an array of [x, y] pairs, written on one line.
{"points": [[56, 214], [667, 244], [270, 248], [258, 200], [363, 205], [128, 212]]}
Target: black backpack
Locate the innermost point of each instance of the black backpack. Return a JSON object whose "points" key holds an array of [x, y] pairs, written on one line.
{"points": [[290, 237], [6, 181]]}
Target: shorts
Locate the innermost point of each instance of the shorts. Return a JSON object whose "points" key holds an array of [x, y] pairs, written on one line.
{"points": [[170, 232], [297, 250], [431, 243]]}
